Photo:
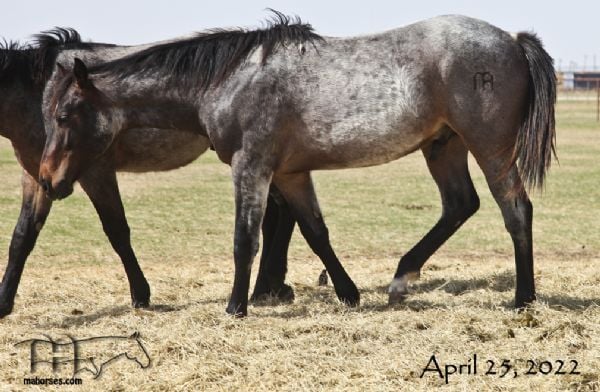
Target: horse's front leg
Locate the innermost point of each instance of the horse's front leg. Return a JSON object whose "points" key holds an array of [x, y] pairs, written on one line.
{"points": [[34, 210], [251, 183], [100, 184], [277, 228]]}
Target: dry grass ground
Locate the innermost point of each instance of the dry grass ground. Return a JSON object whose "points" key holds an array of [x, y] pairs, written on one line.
{"points": [[182, 231]]}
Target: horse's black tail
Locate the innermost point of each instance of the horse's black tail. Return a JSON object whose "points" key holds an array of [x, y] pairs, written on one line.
{"points": [[537, 135]]}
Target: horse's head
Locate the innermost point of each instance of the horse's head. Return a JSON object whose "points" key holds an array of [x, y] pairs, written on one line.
{"points": [[138, 352], [80, 126]]}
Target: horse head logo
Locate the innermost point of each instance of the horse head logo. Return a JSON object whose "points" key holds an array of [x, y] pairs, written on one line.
{"points": [[90, 355]]}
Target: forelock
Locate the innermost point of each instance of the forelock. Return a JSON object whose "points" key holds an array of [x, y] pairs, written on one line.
{"points": [[60, 90]]}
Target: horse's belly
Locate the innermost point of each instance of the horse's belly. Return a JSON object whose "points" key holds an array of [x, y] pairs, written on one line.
{"points": [[371, 151], [347, 144], [145, 150]]}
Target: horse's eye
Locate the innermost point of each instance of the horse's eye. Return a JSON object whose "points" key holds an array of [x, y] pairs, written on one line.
{"points": [[62, 118]]}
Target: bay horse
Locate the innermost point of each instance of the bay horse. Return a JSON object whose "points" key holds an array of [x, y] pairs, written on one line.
{"points": [[280, 101], [24, 71]]}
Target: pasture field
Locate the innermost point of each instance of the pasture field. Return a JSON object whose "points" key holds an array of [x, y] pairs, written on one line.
{"points": [[182, 223]]}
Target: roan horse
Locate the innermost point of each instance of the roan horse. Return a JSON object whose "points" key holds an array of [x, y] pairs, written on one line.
{"points": [[281, 101], [24, 70]]}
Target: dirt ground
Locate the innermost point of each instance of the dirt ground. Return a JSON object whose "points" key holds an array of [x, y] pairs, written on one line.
{"points": [[459, 312]]}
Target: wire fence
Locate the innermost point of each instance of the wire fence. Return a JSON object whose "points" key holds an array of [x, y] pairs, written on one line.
{"points": [[580, 87]]}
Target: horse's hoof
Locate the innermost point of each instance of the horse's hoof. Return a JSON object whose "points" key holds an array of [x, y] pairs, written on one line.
{"points": [[260, 296], [140, 296], [524, 301], [140, 303], [285, 293], [396, 297], [5, 309], [350, 296], [399, 287], [261, 291], [236, 310], [323, 278]]}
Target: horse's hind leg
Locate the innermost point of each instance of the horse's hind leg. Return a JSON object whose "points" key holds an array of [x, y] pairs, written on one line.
{"points": [[277, 227], [447, 162], [34, 211], [299, 192], [101, 186], [517, 211]]}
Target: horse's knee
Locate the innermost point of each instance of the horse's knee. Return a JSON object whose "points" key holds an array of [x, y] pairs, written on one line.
{"points": [[246, 246]]}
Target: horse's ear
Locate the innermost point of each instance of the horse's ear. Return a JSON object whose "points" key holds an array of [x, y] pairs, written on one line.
{"points": [[81, 73]]}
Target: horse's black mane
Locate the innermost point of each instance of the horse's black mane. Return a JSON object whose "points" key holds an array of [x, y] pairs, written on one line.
{"points": [[58, 36], [209, 57], [35, 60]]}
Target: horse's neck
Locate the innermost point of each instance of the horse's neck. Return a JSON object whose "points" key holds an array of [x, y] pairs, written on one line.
{"points": [[20, 114], [15, 86], [154, 101], [21, 122]]}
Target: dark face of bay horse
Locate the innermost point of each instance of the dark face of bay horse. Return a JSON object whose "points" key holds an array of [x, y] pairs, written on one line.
{"points": [[77, 133]]}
